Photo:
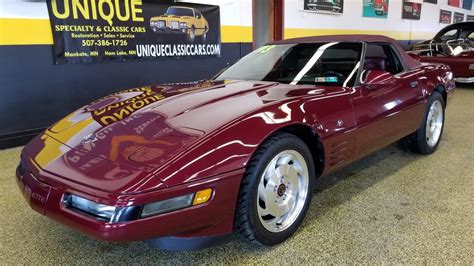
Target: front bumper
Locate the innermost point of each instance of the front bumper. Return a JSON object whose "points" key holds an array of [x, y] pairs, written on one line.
{"points": [[169, 30], [212, 219], [464, 80]]}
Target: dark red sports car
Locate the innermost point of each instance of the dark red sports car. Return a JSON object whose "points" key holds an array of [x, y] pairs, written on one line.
{"points": [[453, 46], [185, 165]]}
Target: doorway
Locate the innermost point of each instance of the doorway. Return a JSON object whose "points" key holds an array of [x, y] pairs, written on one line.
{"points": [[268, 21]]}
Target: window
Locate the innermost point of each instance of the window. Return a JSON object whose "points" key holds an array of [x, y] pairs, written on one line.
{"points": [[450, 35], [197, 14], [382, 57], [470, 36], [180, 12], [328, 64]]}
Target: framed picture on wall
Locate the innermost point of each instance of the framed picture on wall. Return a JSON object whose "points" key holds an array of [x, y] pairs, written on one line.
{"points": [[467, 4], [431, 1], [445, 16], [455, 3], [458, 17], [411, 10], [375, 8], [324, 6], [469, 18]]}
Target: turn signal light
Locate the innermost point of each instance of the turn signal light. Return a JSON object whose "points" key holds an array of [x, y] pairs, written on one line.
{"points": [[202, 196]]}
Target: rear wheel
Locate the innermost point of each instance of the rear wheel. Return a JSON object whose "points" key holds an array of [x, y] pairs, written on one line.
{"points": [[426, 139], [276, 190]]}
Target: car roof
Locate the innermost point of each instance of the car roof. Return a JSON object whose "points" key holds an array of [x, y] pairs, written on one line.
{"points": [[409, 61], [338, 38], [459, 25], [184, 7]]}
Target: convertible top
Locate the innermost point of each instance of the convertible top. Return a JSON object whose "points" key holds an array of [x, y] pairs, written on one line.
{"points": [[409, 61]]}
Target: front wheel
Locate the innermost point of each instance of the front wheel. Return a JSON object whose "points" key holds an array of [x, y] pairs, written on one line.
{"points": [[191, 34], [426, 139], [204, 35], [276, 190]]}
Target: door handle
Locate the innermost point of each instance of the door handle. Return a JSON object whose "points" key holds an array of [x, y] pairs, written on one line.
{"points": [[414, 84]]}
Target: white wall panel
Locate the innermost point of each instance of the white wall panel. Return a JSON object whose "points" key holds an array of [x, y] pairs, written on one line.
{"points": [[351, 19]]}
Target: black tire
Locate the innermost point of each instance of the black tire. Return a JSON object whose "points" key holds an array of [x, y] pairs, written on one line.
{"points": [[247, 221], [204, 35], [418, 141]]}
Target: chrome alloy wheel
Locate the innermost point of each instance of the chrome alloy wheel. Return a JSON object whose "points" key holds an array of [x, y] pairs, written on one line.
{"points": [[434, 123], [282, 191]]}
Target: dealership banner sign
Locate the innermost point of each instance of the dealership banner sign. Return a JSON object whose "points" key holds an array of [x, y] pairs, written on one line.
{"points": [[324, 6], [375, 8], [120, 30]]}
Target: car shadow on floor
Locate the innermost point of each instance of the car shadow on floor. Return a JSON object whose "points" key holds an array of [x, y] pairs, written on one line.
{"points": [[332, 190]]}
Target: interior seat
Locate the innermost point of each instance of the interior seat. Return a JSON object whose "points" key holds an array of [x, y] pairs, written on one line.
{"points": [[374, 63]]}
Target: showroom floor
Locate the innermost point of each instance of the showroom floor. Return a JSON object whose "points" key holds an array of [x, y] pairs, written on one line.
{"points": [[390, 207]]}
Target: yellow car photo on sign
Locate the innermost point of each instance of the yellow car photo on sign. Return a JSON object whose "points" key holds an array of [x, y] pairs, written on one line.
{"points": [[181, 20]]}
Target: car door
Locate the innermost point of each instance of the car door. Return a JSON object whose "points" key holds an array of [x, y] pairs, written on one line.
{"points": [[387, 110]]}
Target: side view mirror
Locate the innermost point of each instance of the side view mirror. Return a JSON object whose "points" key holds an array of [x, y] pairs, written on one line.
{"points": [[372, 79], [415, 56]]}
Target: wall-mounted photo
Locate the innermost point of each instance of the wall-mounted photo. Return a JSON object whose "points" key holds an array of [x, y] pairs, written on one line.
{"points": [[467, 4], [411, 10], [458, 17], [469, 18], [375, 8], [324, 6], [182, 20], [445, 16], [431, 1], [455, 3]]}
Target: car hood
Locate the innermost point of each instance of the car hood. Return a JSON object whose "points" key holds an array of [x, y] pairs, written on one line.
{"points": [[171, 17], [148, 126]]}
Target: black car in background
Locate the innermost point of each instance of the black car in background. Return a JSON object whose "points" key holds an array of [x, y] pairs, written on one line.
{"points": [[459, 32]]}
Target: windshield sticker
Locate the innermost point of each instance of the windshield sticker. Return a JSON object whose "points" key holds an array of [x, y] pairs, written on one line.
{"points": [[326, 79]]}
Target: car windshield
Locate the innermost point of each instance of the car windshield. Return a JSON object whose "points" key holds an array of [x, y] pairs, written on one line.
{"points": [[181, 12], [329, 64]]}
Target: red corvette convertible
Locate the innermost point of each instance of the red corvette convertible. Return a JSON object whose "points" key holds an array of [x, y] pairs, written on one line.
{"points": [[184, 166], [453, 46]]}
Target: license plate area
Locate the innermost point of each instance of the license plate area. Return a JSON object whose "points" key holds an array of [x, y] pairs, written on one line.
{"points": [[35, 193]]}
